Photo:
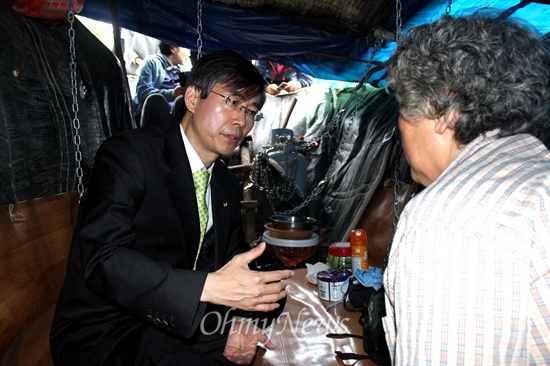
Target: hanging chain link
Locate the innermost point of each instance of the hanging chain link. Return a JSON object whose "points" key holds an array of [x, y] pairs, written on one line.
{"points": [[366, 73], [74, 92], [199, 29], [398, 20], [397, 175], [396, 186], [262, 177], [448, 8]]}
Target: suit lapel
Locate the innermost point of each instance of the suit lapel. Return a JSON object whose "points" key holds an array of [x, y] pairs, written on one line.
{"points": [[222, 212], [179, 181]]}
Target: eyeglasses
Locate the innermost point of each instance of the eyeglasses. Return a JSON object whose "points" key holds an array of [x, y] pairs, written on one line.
{"points": [[250, 115]]}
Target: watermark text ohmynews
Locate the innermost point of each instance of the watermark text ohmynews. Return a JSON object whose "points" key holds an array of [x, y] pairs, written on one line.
{"points": [[300, 325]]}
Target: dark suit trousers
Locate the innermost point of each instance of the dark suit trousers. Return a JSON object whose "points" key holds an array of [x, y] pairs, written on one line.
{"points": [[158, 350]]}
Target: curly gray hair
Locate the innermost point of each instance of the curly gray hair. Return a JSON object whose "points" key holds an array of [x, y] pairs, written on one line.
{"points": [[494, 71]]}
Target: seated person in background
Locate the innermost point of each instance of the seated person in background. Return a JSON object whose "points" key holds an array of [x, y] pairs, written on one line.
{"points": [[468, 275], [160, 74], [156, 273], [276, 74], [137, 47]]}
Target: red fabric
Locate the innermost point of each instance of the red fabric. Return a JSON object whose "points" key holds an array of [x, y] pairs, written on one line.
{"points": [[278, 69]]}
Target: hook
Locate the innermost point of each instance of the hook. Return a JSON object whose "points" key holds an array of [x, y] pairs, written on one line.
{"points": [[15, 216]]}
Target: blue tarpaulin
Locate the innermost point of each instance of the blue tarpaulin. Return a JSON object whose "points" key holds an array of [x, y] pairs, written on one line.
{"points": [[323, 54]]}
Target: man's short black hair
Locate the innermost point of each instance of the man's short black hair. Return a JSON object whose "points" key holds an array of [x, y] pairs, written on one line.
{"points": [[228, 68]]}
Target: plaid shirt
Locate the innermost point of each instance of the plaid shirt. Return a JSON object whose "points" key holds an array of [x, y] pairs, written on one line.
{"points": [[468, 278]]}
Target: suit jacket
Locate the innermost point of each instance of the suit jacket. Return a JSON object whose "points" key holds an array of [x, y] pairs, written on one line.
{"points": [[130, 265]]}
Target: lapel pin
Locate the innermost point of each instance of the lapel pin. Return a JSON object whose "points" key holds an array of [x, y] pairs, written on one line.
{"points": [[225, 204]]}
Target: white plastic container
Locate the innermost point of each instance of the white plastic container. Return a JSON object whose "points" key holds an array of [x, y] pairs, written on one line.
{"points": [[291, 252]]}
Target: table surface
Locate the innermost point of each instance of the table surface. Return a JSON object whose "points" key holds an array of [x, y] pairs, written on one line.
{"points": [[299, 334]]}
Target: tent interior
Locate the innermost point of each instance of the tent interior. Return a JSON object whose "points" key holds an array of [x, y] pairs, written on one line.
{"points": [[327, 39], [62, 93]]}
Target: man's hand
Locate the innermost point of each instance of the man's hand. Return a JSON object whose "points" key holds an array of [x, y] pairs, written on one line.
{"points": [[235, 285], [243, 340], [177, 91], [293, 85], [272, 89]]}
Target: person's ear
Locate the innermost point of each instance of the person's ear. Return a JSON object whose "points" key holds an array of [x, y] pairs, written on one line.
{"points": [[440, 125], [191, 96], [446, 122]]}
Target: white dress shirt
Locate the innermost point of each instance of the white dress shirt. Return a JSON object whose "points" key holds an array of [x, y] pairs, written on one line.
{"points": [[196, 164]]}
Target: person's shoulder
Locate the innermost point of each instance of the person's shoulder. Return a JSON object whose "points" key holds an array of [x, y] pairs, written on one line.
{"points": [[155, 59], [139, 136], [222, 171]]}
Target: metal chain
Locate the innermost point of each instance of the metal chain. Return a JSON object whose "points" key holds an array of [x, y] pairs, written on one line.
{"points": [[397, 174], [329, 175], [397, 177], [261, 175], [337, 121], [396, 185], [74, 92], [199, 29], [263, 182], [326, 131], [448, 8], [366, 73], [398, 20]]}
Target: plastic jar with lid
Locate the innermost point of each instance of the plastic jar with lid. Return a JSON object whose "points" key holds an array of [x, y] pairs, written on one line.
{"points": [[332, 283], [339, 255]]}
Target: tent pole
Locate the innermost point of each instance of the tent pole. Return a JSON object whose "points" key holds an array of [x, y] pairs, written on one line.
{"points": [[119, 54]]}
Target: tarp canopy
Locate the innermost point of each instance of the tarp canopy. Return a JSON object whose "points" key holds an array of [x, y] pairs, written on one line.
{"points": [[327, 39]]}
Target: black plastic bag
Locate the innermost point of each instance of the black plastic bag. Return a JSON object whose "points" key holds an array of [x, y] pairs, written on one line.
{"points": [[374, 337]]}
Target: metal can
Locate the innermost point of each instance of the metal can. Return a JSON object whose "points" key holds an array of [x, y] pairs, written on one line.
{"points": [[332, 284], [359, 250]]}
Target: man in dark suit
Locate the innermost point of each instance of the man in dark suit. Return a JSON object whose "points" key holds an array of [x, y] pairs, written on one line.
{"points": [[142, 288]]}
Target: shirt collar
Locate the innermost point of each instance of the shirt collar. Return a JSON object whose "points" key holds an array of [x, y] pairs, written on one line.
{"points": [[194, 160], [169, 66]]}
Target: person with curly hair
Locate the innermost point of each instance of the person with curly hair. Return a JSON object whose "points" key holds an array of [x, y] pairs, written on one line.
{"points": [[468, 276]]}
